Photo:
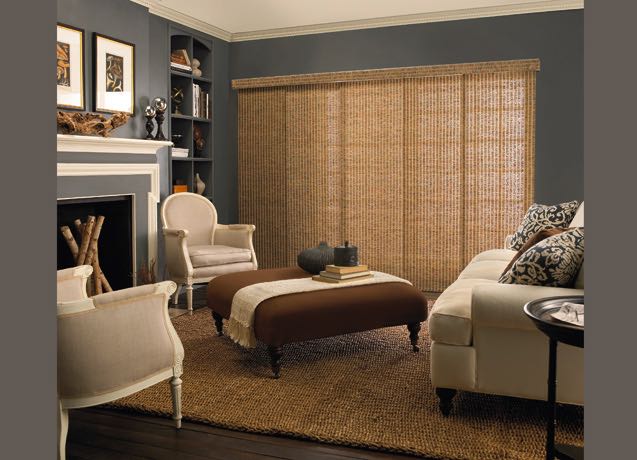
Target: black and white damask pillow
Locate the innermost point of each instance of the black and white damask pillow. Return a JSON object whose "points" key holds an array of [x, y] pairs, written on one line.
{"points": [[554, 261], [542, 217]]}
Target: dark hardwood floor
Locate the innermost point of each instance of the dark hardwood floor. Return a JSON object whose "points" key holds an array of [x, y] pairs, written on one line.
{"points": [[106, 434]]}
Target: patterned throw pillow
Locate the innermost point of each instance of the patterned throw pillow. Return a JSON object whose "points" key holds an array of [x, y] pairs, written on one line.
{"points": [[542, 217], [554, 261]]}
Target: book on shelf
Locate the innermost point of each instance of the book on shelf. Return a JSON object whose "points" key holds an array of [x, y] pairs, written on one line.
{"points": [[325, 279], [180, 57], [200, 102], [344, 276], [179, 152], [181, 68], [345, 270]]}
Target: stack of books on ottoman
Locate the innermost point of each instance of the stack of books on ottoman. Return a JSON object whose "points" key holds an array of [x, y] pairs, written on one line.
{"points": [[338, 274]]}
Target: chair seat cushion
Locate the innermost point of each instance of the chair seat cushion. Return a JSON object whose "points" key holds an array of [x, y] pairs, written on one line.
{"points": [[213, 255]]}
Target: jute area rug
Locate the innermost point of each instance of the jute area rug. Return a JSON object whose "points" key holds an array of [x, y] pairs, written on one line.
{"points": [[363, 390]]}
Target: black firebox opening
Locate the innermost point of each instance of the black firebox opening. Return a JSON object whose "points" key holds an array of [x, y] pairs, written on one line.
{"points": [[115, 244]]}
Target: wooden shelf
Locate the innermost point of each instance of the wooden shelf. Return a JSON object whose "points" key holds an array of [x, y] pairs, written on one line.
{"points": [[190, 117], [202, 79]]}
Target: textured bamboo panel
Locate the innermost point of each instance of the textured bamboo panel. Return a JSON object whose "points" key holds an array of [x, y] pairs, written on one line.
{"points": [[393, 73], [262, 172], [373, 166], [314, 173], [499, 156], [434, 181]]}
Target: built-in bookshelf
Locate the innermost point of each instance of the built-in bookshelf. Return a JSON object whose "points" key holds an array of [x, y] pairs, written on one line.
{"points": [[192, 118]]}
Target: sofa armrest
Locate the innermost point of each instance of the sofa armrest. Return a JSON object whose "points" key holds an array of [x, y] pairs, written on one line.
{"points": [[502, 305], [177, 257]]}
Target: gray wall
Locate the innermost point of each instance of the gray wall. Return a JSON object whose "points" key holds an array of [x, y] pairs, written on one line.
{"points": [[123, 20], [555, 38]]}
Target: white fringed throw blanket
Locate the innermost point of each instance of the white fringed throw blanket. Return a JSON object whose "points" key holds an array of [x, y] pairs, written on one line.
{"points": [[246, 300]]}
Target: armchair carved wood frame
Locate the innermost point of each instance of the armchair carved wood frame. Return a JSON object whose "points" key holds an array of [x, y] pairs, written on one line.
{"points": [[113, 345], [197, 247]]}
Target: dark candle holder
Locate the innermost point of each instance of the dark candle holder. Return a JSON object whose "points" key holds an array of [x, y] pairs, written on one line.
{"points": [[149, 113], [160, 105]]}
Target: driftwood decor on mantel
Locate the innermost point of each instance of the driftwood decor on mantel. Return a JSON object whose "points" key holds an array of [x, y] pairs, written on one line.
{"points": [[89, 124], [86, 252]]}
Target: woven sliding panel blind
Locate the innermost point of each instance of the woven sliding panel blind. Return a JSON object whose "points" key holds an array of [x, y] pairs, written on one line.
{"points": [[313, 168], [434, 178], [421, 167], [499, 156], [373, 172], [262, 172]]}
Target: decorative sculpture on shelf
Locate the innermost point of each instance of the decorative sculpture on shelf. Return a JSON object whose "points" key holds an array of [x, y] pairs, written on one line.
{"points": [[89, 124], [160, 105], [149, 113], [196, 71], [200, 185], [177, 96], [200, 141]]}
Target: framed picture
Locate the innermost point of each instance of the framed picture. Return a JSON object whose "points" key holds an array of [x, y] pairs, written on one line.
{"points": [[114, 62], [70, 67]]}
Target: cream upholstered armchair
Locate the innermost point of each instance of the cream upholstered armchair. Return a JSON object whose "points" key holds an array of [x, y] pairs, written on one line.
{"points": [[113, 345], [197, 247]]}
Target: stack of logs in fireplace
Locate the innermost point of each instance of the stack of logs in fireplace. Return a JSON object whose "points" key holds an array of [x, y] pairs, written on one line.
{"points": [[86, 252]]}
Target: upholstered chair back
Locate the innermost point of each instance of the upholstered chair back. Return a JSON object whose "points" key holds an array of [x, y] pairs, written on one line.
{"points": [[192, 212]]}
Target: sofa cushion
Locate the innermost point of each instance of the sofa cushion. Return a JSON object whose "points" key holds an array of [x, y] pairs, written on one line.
{"points": [[535, 239], [578, 220], [554, 261], [213, 255], [450, 320], [542, 217], [495, 254], [484, 269]]}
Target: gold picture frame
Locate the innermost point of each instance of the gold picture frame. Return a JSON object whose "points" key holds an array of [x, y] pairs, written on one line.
{"points": [[70, 67]]}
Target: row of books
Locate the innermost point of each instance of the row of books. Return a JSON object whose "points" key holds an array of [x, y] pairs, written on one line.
{"points": [[337, 274], [179, 152], [200, 102]]}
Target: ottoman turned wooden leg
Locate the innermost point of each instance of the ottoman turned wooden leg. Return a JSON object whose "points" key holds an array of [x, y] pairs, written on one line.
{"points": [[414, 329], [218, 323], [275, 360]]}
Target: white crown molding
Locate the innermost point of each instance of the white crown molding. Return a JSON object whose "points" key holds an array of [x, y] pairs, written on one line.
{"points": [[124, 169], [453, 15], [156, 8], [95, 144]]}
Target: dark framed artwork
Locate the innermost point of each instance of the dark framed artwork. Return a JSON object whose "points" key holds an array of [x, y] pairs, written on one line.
{"points": [[114, 74], [70, 67]]}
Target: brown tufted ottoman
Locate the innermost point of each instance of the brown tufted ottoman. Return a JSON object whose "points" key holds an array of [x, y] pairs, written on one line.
{"points": [[313, 315]]}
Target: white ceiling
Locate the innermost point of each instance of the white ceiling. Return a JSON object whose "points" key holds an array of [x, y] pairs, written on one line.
{"points": [[249, 19]]}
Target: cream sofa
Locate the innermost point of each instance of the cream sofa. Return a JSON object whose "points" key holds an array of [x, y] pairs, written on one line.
{"points": [[483, 342]]}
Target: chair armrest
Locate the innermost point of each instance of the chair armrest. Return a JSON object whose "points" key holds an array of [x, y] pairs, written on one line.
{"points": [[71, 283], [177, 257], [502, 305], [235, 235], [127, 338]]}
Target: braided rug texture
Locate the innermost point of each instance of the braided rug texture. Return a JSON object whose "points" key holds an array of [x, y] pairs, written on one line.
{"points": [[364, 390]]}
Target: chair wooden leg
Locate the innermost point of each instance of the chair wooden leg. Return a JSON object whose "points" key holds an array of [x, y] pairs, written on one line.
{"points": [[175, 390], [177, 292], [63, 427], [189, 297], [445, 395]]}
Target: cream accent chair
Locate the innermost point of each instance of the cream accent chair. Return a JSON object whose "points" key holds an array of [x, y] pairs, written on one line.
{"points": [[113, 345], [483, 342], [197, 247]]}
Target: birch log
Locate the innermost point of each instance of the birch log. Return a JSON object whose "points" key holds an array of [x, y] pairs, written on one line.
{"points": [[86, 239], [95, 234], [70, 241]]}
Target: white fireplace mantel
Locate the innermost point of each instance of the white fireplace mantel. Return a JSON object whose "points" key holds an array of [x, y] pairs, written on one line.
{"points": [[95, 144]]}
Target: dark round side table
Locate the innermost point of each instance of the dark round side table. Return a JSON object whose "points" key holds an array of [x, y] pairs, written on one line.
{"points": [[557, 331]]}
